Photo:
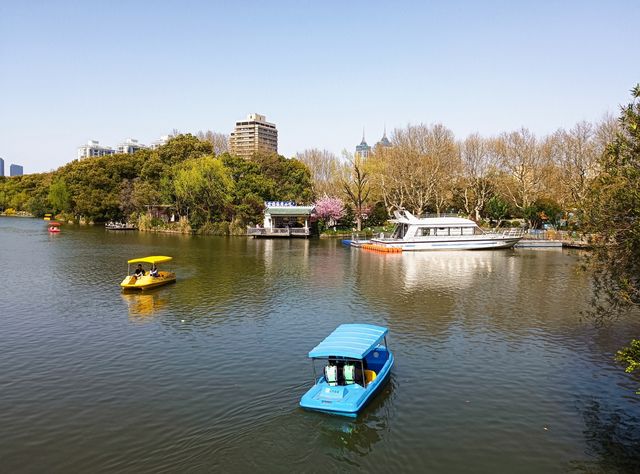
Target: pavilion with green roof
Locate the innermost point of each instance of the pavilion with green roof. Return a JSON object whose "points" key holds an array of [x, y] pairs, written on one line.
{"points": [[283, 219]]}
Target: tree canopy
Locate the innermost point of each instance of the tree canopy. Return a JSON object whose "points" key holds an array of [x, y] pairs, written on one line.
{"points": [[184, 174], [613, 214]]}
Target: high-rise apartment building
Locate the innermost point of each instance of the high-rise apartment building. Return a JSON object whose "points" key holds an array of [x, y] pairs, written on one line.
{"points": [[93, 148], [16, 170], [158, 143], [129, 146], [253, 135], [1, 167]]}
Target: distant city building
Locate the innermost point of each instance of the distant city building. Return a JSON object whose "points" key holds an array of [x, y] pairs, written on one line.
{"points": [[158, 143], [93, 149], [16, 170], [130, 146], [384, 141], [253, 135], [363, 150], [1, 167]]}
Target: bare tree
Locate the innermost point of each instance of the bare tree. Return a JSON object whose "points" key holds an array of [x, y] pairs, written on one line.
{"points": [[416, 171], [326, 170], [445, 164], [522, 159], [606, 131], [357, 187], [577, 153], [219, 141], [477, 167]]}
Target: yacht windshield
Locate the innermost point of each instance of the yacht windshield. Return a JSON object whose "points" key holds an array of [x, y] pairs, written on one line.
{"points": [[400, 230]]}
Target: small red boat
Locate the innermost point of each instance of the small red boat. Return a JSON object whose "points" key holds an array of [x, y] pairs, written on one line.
{"points": [[54, 227]]}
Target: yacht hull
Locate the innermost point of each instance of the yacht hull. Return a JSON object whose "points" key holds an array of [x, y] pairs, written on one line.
{"points": [[449, 244]]}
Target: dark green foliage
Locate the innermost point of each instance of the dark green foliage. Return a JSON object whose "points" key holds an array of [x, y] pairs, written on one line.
{"points": [[612, 213], [543, 211], [266, 178], [183, 173], [377, 216], [497, 210]]}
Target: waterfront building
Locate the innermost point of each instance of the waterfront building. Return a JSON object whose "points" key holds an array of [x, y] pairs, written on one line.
{"points": [[16, 170], [283, 219], [1, 167], [129, 146], [363, 150], [158, 143], [93, 149], [253, 135]]}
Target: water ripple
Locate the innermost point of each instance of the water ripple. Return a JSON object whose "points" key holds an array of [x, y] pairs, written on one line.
{"points": [[495, 370]]}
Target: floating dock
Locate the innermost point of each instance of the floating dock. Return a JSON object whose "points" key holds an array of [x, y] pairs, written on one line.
{"points": [[381, 248], [531, 243]]}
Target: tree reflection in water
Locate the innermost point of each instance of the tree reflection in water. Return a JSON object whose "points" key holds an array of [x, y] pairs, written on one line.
{"points": [[612, 437]]}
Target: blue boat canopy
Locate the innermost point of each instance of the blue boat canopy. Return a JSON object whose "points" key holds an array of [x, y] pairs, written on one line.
{"points": [[350, 340]]}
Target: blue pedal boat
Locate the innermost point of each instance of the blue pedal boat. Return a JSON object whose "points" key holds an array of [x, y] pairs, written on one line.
{"points": [[357, 364]]}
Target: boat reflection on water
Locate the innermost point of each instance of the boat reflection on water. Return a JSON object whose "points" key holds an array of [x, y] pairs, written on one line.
{"points": [[437, 270], [357, 437], [455, 269], [144, 305]]}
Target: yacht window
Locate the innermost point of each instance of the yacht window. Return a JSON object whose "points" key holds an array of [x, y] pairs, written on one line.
{"points": [[467, 231], [442, 231], [424, 231], [455, 231]]}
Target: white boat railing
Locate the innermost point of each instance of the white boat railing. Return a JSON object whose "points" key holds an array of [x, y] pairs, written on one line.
{"points": [[513, 232], [435, 215]]}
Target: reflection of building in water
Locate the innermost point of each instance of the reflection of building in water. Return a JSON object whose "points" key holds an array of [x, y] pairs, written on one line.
{"points": [[280, 253], [142, 305]]}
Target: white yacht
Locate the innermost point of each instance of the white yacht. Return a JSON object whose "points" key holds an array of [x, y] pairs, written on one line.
{"points": [[443, 233]]}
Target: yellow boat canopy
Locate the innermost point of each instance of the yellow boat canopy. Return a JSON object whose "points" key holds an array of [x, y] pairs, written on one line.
{"points": [[155, 259]]}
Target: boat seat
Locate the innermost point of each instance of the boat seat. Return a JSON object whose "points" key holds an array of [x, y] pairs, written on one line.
{"points": [[369, 376]]}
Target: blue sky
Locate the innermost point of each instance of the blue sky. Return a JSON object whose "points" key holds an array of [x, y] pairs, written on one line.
{"points": [[71, 71]]}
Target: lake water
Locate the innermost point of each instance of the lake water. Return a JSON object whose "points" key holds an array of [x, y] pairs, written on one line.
{"points": [[495, 371]]}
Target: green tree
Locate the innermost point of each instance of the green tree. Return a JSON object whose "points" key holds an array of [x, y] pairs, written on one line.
{"points": [[204, 186], [59, 195], [497, 210], [543, 211], [612, 213]]}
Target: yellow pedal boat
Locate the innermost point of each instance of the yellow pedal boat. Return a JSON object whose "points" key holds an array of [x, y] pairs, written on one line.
{"points": [[147, 279]]}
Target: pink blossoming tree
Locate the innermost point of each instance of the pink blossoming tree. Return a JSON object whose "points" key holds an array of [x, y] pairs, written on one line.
{"points": [[329, 210]]}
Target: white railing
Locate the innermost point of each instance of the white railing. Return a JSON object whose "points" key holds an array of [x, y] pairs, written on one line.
{"points": [[278, 231]]}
